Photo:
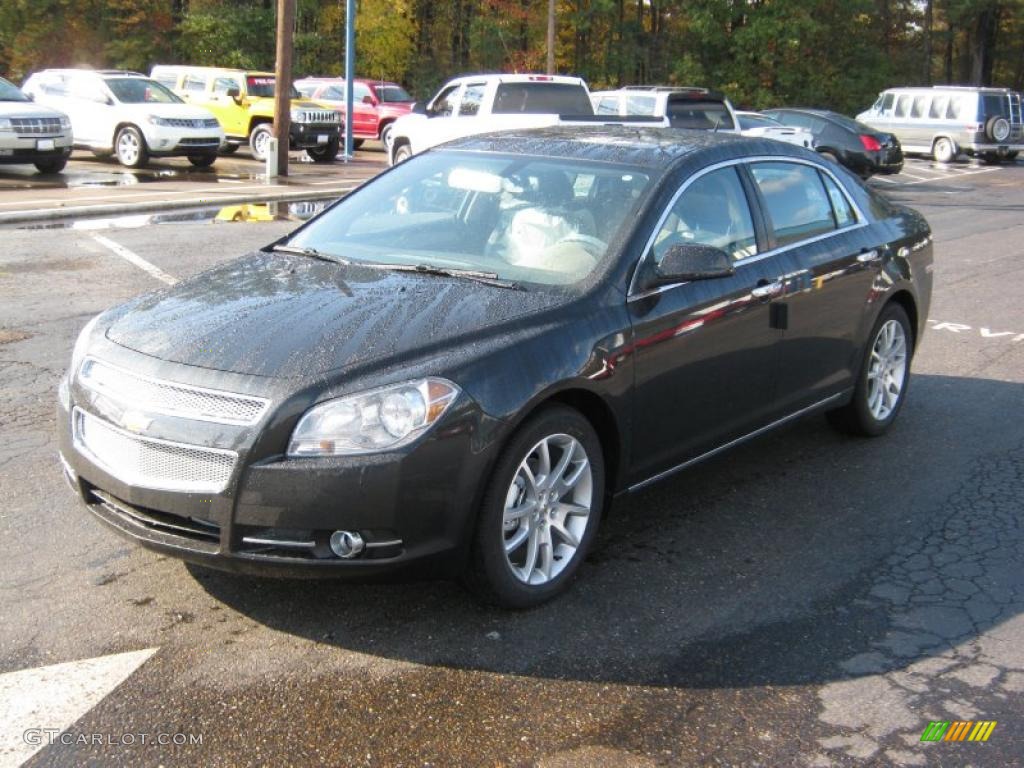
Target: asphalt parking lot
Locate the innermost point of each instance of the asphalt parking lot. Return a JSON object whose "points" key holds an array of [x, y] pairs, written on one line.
{"points": [[806, 600]]}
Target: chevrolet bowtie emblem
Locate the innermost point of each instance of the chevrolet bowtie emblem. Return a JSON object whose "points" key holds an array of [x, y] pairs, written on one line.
{"points": [[134, 421]]}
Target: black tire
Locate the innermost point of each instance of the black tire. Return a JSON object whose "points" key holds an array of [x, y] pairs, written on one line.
{"points": [[51, 166], [357, 143], [856, 417], [402, 153], [385, 136], [325, 153], [228, 149], [130, 147], [490, 574], [202, 161], [1012, 156], [258, 138]]}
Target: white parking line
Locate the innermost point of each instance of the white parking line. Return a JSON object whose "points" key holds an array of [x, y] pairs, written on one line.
{"points": [[134, 258], [36, 705]]}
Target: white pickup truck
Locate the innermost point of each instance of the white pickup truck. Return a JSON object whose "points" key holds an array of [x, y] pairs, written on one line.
{"points": [[483, 103]]}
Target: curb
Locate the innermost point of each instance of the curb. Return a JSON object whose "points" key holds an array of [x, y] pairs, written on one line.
{"points": [[150, 206]]}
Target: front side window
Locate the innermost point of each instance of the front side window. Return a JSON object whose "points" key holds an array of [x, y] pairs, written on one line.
{"points": [[472, 97], [795, 201], [140, 90], [361, 91], [223, 84], [391, 93], [712, 211], [532, 220], [888, 100], [444, 104]]}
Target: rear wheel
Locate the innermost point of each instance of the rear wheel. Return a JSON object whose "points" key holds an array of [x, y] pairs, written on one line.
{"points": [[325, 153], [540, 512], [202, 161], [259, 140], [943, 151], [402, 153], [884, 377], [385, 136], [130, 147], [357, 143], [51, 166]]}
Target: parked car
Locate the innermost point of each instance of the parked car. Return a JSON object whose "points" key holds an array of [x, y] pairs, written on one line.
{"points": [[478, 104], [763, 127], [945, 121], [243, 102], [685, 107], [32, 133], [127, 114], [487, 344], [376, 104], [862, 149]]}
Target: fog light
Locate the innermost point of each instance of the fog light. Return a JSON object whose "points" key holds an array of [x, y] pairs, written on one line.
{"points": [[347, 544]]}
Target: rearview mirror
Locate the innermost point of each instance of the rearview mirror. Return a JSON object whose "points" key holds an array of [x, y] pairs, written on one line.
{"points": [[692, 261], [367, 99]]}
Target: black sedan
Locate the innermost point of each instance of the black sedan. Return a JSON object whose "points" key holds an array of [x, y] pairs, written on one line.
{"points": [[456, 368], [859, 147]]}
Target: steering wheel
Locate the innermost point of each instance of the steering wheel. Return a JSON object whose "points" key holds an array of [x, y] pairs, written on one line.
{"points": [[595, 246]]}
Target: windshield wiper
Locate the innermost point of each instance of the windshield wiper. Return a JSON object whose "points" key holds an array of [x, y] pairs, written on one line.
{"points": [[313, 253], [488, 278]]}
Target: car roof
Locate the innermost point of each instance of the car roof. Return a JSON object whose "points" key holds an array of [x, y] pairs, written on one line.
{"points": [[525, 78], [646, 147], [207, 70]]}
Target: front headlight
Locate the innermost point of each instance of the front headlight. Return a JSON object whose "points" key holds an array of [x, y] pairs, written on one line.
{"points": [[374, 421], [155, 120], [65, 123], [77, 354], [299, 115]]}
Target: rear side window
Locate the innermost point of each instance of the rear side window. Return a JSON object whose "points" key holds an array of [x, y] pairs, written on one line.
{"points": [[712, 211], [471, 99], [193, 84], [957, 109], [939, 106], [224, 84], [640, 104], [542, 99], [698, 114], [609, 105], [994, 105], [840, 204], [795, 201], [903, 106], [920, 108]]}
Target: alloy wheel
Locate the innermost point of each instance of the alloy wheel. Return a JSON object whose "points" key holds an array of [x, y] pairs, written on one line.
{"points": [[128, 148], [887, 369], [547, 509]]}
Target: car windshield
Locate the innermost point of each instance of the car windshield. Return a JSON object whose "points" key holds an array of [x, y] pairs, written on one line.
{"points": [[140, 90], [528, 220], [390, 92], [8, 92], [262, 87]]}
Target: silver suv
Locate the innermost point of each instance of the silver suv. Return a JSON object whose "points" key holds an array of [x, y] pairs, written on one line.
{"points": [[945, 121], [32, 133]]}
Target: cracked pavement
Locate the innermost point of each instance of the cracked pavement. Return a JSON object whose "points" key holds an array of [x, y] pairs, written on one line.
{"points": [[807, 599]]}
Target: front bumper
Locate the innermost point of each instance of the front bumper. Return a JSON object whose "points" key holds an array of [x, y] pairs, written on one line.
{"points": [[168, 142], [414, 507], [29, 149], [308, 135]]}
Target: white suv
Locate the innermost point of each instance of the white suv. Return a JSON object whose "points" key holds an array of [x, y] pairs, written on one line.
{"points": [[684, 106], [30, 133], [128, 114]]}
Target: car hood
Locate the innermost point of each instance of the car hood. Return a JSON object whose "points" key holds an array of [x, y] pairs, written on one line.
{"points": [[285, 316], [178, 111], [27, 109]]}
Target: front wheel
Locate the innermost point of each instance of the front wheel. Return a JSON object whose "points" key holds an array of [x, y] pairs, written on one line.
{"points": [[402, 153], [883, 379], [326, 152], [130, 147], [385, 136], [202, 161], [944, 151], [51, 166], [540, 512], [259, 140]]}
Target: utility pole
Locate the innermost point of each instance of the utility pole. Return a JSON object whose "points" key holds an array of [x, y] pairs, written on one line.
{"points": [[350, 73], [283, 76], [551, 37]]}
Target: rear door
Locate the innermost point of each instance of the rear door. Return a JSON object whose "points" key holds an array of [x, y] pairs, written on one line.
{"points": [[834, 265]]}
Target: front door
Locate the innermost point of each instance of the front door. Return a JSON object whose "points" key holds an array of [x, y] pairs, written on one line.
{"points": [[706, 351]]}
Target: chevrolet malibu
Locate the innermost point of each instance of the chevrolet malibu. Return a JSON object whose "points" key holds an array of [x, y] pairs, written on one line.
{"points": [[455, 369]]}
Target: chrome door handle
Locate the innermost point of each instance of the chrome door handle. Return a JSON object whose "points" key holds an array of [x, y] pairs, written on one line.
{"points": [[767, 291], [868, 256]]}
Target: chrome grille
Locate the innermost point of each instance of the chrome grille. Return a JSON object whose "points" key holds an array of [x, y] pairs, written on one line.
{"points": [[210, 141], [319, 116], [182, 122], [171, 399], [36, 126], [150, 463]]}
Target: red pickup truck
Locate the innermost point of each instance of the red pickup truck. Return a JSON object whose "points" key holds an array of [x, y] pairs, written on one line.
{"points": [[377, 104]]}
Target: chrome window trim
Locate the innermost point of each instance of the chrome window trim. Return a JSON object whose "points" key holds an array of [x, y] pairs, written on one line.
{"points": [[862, 220], [263, 402]]}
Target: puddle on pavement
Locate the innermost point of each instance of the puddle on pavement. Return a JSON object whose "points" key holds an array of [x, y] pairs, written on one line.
{"points": [[296, 210], [118, 177]]}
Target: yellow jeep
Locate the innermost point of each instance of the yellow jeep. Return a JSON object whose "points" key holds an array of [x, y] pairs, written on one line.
{"points": [[243, 102]]}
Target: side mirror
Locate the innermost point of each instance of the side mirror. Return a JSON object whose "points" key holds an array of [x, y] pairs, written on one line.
{"points": [[691, 261], [30, 96], [233, 93], [418, 108], [368, 99]]}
